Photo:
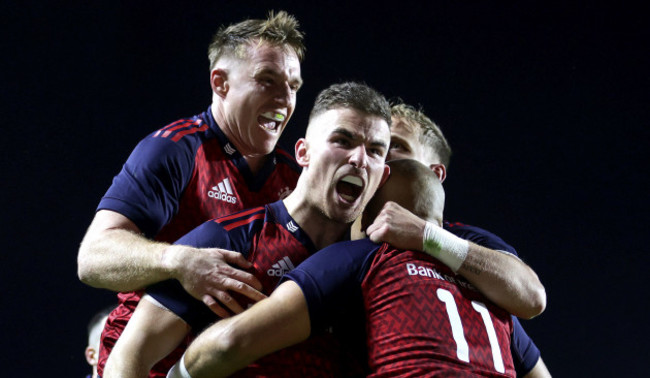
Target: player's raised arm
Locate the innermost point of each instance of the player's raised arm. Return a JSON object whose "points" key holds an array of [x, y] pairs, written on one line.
{"points": [[502, 277]]}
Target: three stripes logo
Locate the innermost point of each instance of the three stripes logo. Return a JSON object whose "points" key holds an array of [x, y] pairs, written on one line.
{"points": [[223, 191], [229, 149], [292, 227], [281, 267]]}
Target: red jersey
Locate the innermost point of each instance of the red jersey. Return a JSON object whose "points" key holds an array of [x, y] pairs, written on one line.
{"points": [[179, 177]]}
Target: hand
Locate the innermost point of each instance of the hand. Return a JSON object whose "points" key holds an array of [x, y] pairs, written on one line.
{"points": [[207, 275], [398, 227]]}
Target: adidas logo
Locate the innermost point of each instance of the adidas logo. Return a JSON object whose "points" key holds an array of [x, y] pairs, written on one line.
{"points": [[228, 148], [292, 227], [280, 268], [223, 191]]}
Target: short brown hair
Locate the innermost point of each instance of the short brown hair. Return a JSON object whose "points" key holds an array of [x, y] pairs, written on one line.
{"points": [[279, 29], [353, 96], [429, 134]]}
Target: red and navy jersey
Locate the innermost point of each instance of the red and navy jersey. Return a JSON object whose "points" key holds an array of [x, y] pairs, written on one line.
{"points": [[274, 242], [524, 351], [421, 318], [179, 177]]}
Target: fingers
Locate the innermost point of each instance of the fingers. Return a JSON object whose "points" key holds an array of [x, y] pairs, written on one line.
{"points": [[214, 306], [235, 258], [216, 300], [240, 276], [244, 289]]}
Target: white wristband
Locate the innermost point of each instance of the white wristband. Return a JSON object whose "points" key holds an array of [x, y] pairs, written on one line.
{"points": [[179, 370], [445, 246]]}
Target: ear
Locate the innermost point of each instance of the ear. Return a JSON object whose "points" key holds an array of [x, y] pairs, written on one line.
{"points": [[440, 170], [385, 176], [219, 82], [91, 356], [302, 152]]}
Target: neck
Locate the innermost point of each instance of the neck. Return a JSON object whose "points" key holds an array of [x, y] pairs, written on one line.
{"points": [[321, 230], [255, 162]]}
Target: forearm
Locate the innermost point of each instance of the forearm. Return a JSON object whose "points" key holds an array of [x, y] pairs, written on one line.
{"points": [[277, 322], [151, 334], [122, 260], [505, 280]]}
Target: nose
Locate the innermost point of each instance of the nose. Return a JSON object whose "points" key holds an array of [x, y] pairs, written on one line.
{"points": [[283, 95], [359, 156]]}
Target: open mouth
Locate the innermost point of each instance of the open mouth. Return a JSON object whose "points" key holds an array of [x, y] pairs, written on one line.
{"points": [[350, 188], [271, 120]]}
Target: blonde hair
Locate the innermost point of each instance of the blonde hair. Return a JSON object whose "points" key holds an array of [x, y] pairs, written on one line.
{"points": [[429, 134], [279, 29]]}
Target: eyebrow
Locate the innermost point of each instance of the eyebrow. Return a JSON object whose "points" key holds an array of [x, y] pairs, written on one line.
{"points": [[266, 70], [400, 140], [354, 136]]}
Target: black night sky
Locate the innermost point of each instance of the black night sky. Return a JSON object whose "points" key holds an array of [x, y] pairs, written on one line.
{"points": [[545, 106]]}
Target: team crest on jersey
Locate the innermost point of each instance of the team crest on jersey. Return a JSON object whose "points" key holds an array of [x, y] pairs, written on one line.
{"points": [[223, 192], [284, 192]]}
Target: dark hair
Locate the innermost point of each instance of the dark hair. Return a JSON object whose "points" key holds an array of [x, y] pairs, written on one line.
{"points": [[279, 29], [352, 95]]}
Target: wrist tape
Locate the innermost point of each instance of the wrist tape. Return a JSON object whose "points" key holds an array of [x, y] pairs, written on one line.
{"points": [[179, 370], [445, 246]]}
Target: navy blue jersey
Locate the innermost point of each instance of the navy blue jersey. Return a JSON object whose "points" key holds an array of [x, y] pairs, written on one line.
{"points": [[270, 239], [478, 236], [179, 177], [524, 352]]}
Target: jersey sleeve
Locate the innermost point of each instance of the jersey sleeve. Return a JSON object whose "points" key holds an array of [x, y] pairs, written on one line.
{"points": [[525, 353], [148, 188], [171, 293], [479, 236], [331, 279]]}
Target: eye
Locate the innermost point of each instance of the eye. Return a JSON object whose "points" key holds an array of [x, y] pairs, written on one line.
{"points": [[377, 151], [266, 80], [397, 146], [343, 142]]}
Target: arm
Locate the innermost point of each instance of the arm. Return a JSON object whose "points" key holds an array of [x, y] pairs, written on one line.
{"points": [[525, 354], [151, 334], [539, 371], [114, 255], [274, 323], [503, 278]]}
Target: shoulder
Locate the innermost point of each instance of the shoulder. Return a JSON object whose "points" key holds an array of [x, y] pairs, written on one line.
{"points": [[178, 140], [231, 232], [348, 258]]}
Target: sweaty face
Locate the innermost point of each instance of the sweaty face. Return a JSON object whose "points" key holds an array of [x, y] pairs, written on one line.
{"points": [[404, 143], [345, 155], [261, 96]]}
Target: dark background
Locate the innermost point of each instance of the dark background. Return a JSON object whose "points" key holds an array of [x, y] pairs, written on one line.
{"points": [[546, 108]]}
